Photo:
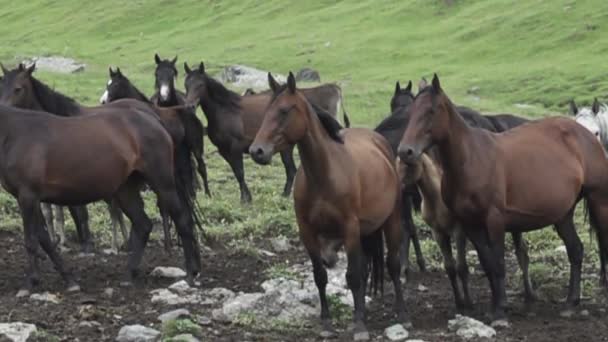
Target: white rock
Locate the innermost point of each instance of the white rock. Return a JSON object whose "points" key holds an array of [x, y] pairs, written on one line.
{"points": [[219, 294], [17, 331], [137, 333], [45, 297], [396, 333], [168, 272], [280, 244], [472, 254], [56, 64], [233, 307], [469, 328], [89, 324], [167, 297], [422, 288], [108, 292], [561, 249], [584, 312], [181, 287], [415, 340], [247, 77], [184, 338], [173, 315]]}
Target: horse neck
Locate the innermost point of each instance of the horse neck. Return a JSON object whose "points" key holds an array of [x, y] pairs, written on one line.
{"points": [[138, 95], [54, 102], [315, 151], [455, 143]]}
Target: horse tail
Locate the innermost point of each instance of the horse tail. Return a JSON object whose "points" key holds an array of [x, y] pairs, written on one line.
{"points": [[195, 132], [373, 248], [344, 115], [600, 236]]}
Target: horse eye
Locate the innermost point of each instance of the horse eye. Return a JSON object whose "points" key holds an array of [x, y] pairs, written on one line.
{"points": [[597, 134], [18, 89]]}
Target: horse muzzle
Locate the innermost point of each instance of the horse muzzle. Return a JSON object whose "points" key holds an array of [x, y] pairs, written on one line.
{"points": [[261, 153], [408, 153]]}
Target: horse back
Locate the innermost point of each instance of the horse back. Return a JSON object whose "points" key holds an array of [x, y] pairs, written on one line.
{"points": [[326, 96]]}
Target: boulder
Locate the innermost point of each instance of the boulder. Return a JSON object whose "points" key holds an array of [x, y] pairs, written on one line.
{"points": [[17, 331], [137, 333]]}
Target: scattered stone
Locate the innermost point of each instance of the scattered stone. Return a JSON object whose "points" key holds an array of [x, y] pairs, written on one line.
{"points": [[247, 77], [89, 324], [280, 244], [500, 324], [137, 333], [108, 292], [472, 254], [308, 75], [327, 44], [468, 328], [361, 336], [17, 331], [473, 90], [327, 334], [219, 294], [415, 341], [45, 297], [561, 249], [181, 287], [22, 293], [184, 338], [422, 288], [173, 315], [168, 272], [585, 313], [524, 105], [396, 333], [204, 321], [566, 313], [58, 64], [233, 307], [266, 253], [109, 251], [167, 297]]}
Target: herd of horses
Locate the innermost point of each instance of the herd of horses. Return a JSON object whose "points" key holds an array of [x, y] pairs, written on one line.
{"points": [[355, 189]]}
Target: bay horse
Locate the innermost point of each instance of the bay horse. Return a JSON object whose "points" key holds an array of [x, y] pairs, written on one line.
{"points": [[346, 194], [489, 192], [81, 159], [232, 121], [426, 175], [175, 119], [166, 95], [15, 95]]}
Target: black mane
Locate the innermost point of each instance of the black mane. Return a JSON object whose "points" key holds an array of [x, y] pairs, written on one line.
{"points": [[138, 93], [331, 125], [221, 95], [53, 101]]}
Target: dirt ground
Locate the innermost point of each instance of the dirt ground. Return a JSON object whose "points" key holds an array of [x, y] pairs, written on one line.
{"points": [[429, 310]]}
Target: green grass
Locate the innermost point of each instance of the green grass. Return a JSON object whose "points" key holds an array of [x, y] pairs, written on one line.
{"points": [[534, 52]]}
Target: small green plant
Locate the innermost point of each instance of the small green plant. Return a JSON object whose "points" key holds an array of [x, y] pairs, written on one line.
{"points": [[181, 326], [282, 270], [340, 312], [43, 336]]}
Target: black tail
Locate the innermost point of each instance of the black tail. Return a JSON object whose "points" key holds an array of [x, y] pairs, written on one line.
{"points": [[373, 248], [195, 139], [344, 115]]}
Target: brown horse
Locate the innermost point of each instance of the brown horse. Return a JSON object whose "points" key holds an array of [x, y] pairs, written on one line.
{"points": [[426, 175], [233, 121], [78, 160], [346, 194], [490, 193]]}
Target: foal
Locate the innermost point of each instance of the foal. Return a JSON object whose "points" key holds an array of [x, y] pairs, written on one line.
{"points": [[346, 194], [486, 188]]}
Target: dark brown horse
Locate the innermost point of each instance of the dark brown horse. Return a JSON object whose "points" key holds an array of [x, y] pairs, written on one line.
{"points": [[175, 119], [233, 121], [490, 193], [346, 194], [82, 159]]}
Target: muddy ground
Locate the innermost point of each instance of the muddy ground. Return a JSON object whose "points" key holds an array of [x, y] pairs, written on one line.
{"points": [[239, 271]]}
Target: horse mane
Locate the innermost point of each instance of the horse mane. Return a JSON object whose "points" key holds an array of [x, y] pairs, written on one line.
{"points": [[141, 95], [331, 125], [52, 101], [220, 94]]}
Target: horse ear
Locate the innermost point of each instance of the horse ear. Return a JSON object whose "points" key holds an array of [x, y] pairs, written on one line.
{"points": [[187, 68], [21, 67], [397, 88], [111, 71], [201, 67], [291, 83], [174, 60], [573, 108], [157, 58], [422, 84], [409, 87], [31, 69], [272, 83], [4, 69], [435, 83], [118, 72], [595, 108]]}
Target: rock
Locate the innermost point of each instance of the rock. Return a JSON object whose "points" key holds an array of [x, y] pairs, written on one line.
{"points": [[361, 336], [45, 297], [524, 105], [280, 244], [567, 313], [472, 254], [58, 64], [89, 324], [233, 307], [109, 251], [137, 333], [468, 328], [266, 253], [183, 338], [561, 249], [422, 288], [500, 324], [247, 77], [22, 293], [181, 287], [396, 333], [168, 272], [173, 315], [585, 313], [308, 75], [167, 297], [219, 294], [473, 90], [204, 321], [17, 331], [415, 341], [108, 292]]}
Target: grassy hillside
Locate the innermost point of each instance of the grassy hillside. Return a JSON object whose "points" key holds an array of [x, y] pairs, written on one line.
{"points": [[533, 52]]}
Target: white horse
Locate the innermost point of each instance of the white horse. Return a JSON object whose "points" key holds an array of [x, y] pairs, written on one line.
{"points": [[594, 118]]}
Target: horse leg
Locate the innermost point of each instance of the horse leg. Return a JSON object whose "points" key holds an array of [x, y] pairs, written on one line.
{"points": [[236, 163], [462, 268], [393, 237], [567, 232], [47, 211], [444, 242], [202, 171], [521, 251], [130, 201], [117, 220], [168, 242], [60, 226], [598, 212], [81, 220], [416, 242], [290, 169]]}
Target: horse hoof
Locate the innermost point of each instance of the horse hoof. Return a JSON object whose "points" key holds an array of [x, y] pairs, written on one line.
{"points": [[500, 324], [23, 293], [73, 288], [361, 336]]}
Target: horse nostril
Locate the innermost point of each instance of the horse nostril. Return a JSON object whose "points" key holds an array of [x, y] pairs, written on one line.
{"points": [[409, 152], [259, 151]]}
